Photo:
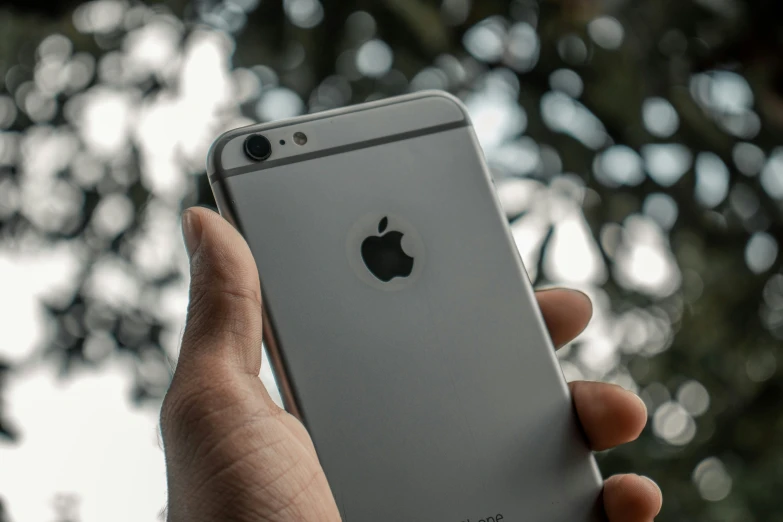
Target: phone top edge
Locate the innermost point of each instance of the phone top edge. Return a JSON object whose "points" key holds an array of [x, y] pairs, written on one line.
{"points": [[388, 131]]}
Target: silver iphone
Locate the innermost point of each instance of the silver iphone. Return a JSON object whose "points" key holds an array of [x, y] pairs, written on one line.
{"points": [[402, 327]]}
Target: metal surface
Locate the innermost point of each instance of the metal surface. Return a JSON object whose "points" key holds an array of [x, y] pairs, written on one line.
{"points": [[442, 400]]}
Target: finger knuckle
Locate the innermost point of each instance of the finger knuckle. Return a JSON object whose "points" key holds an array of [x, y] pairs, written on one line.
{"points": [[228, 313], [215, 290], [218, 282], [187, 405]]}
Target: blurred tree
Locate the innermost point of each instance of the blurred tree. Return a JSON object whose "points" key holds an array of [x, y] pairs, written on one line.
{"points": [[5, 428], [660, 120], [41, 7]]}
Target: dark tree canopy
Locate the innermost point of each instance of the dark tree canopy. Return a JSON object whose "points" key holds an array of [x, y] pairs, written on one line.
{"points": [[635, 145]]}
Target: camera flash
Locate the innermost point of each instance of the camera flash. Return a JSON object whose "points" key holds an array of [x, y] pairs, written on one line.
{"points": [[300, 138]]}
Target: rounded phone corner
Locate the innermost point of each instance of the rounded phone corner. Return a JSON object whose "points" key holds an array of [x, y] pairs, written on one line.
{"points": [[447, 97], [215, 152]]}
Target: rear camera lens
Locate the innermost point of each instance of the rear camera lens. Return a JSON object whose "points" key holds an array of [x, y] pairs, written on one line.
{"points": [[257, 147]]}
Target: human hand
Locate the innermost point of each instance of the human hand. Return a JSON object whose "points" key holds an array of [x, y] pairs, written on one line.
{"points": [[233, 455]]}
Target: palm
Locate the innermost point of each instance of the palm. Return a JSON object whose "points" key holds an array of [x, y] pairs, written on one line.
{"points": [[256, 458]]}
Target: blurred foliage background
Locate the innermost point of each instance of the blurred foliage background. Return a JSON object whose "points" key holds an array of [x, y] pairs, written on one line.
{"points": [[635, 145]]}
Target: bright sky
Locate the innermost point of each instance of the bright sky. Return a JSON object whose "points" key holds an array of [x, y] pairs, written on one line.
{"points": [[82, 436]]}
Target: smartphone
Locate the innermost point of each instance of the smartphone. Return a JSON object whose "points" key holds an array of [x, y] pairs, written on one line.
{"points": [[401, 324]]}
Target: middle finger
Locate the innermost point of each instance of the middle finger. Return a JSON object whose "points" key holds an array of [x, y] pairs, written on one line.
{"points": [[609, 414]]}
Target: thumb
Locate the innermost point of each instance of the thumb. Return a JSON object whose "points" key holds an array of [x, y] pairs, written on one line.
{"points": [[224, 313]]}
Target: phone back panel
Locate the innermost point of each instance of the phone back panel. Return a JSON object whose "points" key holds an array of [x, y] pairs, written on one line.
{"points": [[436, 397]]}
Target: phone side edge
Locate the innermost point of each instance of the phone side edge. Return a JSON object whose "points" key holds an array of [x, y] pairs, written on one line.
{"points": [[530, 290], [221, 192]]}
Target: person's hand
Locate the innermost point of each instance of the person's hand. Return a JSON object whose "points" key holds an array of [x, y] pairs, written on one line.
{"points": [[233, 455]]}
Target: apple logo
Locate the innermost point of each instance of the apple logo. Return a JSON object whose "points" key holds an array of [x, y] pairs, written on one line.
{"points": [[383, 255]]}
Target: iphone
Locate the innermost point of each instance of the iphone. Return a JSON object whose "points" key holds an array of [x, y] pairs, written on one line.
{"points": [[402, 327]]}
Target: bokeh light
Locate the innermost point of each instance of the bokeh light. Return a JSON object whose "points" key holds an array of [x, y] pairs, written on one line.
{"points": [[374, 58], [607, 32], [635, 149], [712, 479]]}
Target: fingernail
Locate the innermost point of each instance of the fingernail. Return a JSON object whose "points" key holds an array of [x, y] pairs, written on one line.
{"points": [[651, 481], [572, 291], [564, 289], [635, 396], [580, 294], [644, 405], [191, 231], [657, 487]]}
